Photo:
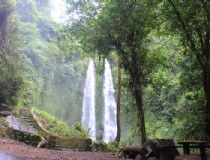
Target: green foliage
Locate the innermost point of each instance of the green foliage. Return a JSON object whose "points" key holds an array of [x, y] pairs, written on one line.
{"points": [[112, 146], [99, 146], [103, 147], [7, 4], [3, 125], [10, 85], [46, 69], [190, 107], [78, 126], [162, 95], [57, 127], [2, 132], [192, 25], [121, 27]]}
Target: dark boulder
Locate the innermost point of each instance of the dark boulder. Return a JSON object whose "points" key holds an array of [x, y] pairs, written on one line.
{"points": [[5, 113]]}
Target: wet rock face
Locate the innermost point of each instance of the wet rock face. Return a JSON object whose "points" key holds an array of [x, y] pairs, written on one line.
{"points": [[18, 124], [21, 130]]}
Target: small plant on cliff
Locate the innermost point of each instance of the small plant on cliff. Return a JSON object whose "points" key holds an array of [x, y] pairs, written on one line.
{"points": [[78, 127], [3, 125]]}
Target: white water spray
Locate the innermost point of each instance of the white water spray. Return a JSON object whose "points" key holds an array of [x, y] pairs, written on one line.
{"points": [[109, 113], [88, 111], [58, 11]]}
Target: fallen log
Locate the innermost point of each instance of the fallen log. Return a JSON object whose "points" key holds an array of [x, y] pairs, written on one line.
{"points": [[132, 152]]}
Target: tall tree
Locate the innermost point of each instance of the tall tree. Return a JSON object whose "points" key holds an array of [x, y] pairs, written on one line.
{"points": [[191, 20], [121, 26], [118, 101]]}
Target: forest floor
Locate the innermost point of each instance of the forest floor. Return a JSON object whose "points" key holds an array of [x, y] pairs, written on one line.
{"points": [[21, 151], [15, 150]]}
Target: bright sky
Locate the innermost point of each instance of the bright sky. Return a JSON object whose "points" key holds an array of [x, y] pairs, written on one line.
{"points": [[58, 11]]}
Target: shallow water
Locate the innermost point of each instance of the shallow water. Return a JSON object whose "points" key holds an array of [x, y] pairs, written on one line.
{"points": [[6, 156]]}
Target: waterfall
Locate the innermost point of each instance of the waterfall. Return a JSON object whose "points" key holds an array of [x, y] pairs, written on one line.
{"points": [[109, 112], [88, 111]]}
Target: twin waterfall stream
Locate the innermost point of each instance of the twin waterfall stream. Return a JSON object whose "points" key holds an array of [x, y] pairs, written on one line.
{"points": [[109, 109], [88, 110]]}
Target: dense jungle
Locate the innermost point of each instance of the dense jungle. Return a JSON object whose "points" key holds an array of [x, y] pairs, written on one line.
{"points": [[158, 51]]}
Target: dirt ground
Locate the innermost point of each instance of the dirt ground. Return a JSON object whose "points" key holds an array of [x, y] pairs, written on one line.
{"points": [[21, 151], [26, 152]]}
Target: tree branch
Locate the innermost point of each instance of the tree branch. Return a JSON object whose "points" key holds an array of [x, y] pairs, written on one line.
{"points": [[200, 35], [117, 45], [188, 36]]}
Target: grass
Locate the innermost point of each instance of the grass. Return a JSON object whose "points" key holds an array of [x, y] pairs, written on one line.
{"points": [[3, 125], [55, 126]]}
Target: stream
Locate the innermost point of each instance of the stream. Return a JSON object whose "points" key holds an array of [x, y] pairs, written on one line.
{"points": [[7, 156]]}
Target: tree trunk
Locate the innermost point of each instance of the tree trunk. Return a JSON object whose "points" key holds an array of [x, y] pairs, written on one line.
{"points": [[206, 71], [118, 101], [5, 28], [140, 113], [206, 82], [134, 71], [137, 92]]}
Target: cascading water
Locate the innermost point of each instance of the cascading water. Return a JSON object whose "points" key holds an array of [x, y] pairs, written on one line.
{"points": [[88, 111], [109, 113]]}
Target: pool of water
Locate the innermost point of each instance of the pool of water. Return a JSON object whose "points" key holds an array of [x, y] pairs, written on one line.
{"points": [[6, 156]]}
